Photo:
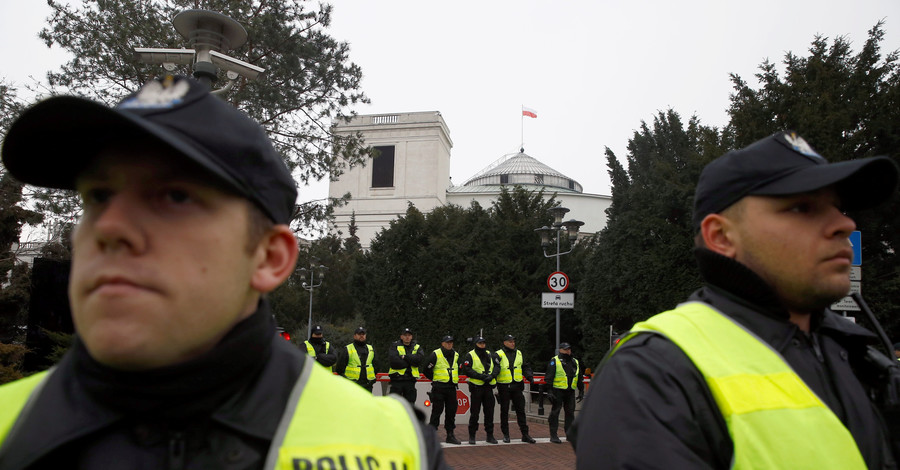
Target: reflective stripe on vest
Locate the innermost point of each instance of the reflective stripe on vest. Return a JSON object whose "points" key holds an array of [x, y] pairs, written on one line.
{"points": [[323, 408], [442, 370], [773, 417], [402, 350], [354, 365], [561, 380], [505, 376], [478, 366], [312, 352]]}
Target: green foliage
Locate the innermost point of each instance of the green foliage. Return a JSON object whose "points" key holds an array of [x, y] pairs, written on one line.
{"points": [[458, 271], [641, 263], [847, 105], [60, 343], [309, 81], [11, 356], [333, 303]]}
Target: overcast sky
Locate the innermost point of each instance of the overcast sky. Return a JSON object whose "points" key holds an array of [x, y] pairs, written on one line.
{"points": [[593, 70]]}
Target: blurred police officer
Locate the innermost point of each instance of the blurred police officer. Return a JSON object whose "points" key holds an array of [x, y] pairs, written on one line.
{"points": [[481, 368], [175, 362], [563, 377], [405, 357], [442, 368], [513, 372], [317, 347], [355, 360]]}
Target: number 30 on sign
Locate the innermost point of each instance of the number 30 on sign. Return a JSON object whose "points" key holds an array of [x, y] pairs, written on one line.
{"points": [[558, 282]]}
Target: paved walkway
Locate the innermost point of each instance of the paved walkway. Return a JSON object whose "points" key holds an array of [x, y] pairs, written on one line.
{"points": [[515, 455]]}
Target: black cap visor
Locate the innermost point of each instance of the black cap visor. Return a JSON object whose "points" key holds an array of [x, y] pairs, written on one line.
{"points": [[66, 133], [862, 183]]}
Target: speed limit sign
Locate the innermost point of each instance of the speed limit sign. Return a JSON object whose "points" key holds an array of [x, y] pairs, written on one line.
{"points": [[558, 282]]}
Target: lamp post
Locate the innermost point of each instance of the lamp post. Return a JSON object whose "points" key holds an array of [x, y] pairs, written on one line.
{"points": [[313, 269], [547, 234]]}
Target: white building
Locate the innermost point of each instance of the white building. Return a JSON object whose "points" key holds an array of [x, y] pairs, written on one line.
{"points": [[413, 166]]}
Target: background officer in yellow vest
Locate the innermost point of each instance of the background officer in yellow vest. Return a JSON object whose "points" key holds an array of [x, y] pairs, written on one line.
{"points": [[175, 361], [442, 368], [355, 360], [755, 370], [405, 357], [513, 372], [317, 347], [564, 375], [481, 367]]}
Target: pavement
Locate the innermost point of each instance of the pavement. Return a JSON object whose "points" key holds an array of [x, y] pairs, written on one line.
{"points": [[515, 455]]}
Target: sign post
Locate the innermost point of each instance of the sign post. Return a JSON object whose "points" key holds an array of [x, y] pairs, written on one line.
{"points": [[847, 304]]}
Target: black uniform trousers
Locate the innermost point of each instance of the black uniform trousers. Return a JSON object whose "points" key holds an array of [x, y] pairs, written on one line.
{"points": [[565, 398], [405, 388], [443, 398], [482, 396], [512, 392]]}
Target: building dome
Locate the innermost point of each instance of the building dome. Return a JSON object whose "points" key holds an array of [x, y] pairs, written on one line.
{"points": [[524, 170]]}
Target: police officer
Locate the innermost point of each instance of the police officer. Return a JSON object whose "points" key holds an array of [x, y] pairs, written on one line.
{"points": [[405, 357], [511, 387], [481, 368], [175, 362], [317, 347], [563, 377], [355, 361], [754, 369], [442, 368]]}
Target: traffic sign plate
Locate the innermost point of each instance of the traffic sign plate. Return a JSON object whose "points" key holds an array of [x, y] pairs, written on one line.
{"points": [[558, 282]]}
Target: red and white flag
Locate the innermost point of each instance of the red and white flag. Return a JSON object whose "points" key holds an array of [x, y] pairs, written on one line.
{"points": [[529, 112]]}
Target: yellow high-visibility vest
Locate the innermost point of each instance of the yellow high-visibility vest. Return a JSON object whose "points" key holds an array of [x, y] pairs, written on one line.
{"points": [[313, 429], [508, 372], [312, 352], [561, 380], [354, 364], [442, 370], [478, 366], [402, 350], [774, 419]]}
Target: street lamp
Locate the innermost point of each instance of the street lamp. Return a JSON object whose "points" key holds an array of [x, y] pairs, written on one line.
{"points": [[313, 269], [547, 234], [208, 33]]}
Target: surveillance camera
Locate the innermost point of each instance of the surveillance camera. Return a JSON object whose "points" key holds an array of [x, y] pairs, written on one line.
{"points": [[230, 64], [155, 55]]}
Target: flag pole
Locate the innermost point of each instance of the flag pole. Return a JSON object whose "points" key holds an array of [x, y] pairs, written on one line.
{"points": [[522, 124]]}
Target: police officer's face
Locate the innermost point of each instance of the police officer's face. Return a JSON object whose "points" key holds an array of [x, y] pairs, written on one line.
{"points": [[359, 336], [798, 244], [317, 335], [510, 343], [448, 345], [481, 344], [406, 338], [161, 265], [566, 351]]}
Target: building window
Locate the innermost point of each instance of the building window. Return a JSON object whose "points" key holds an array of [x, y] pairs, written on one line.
{"points": [[538, 179], [504, 179], [383, 167]]}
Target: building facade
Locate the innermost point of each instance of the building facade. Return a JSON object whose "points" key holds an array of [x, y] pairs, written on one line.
{"points": [[413, 167]]}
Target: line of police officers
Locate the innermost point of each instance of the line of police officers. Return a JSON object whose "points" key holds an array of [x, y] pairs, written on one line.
{"points": [[504, 369]]}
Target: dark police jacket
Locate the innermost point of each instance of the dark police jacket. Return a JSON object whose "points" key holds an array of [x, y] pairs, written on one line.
{"points": [[649, 378], [220, 410]]}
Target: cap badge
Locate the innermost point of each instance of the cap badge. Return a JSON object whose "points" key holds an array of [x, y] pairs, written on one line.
{"points": [[157, 94], [801, 146]]}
